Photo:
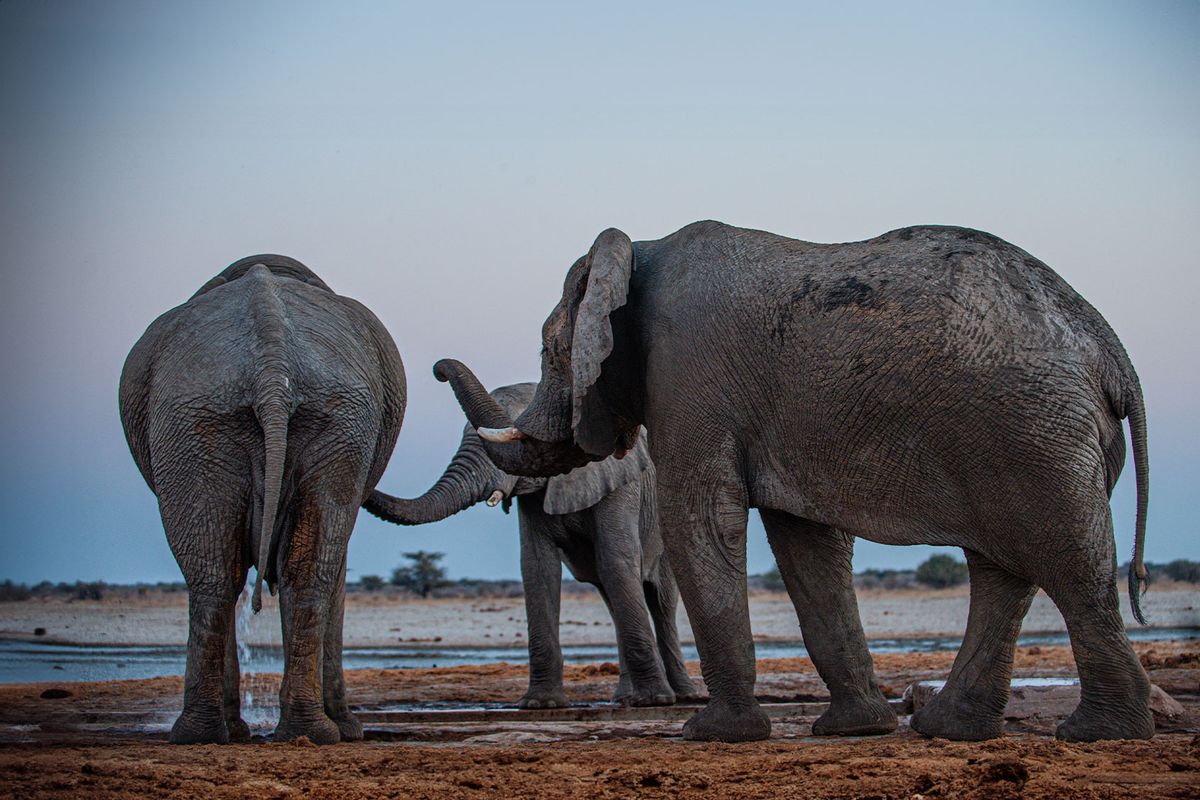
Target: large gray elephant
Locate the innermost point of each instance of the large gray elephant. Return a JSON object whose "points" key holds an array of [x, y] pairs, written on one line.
{"points": [[262, 412], [601, 520], [933, 385]]}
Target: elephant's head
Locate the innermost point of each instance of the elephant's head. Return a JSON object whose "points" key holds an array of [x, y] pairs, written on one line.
{"points": [[587, 405], [471, 478]]}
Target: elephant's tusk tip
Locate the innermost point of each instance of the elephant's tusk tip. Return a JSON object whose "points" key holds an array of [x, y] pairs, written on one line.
{"points": [[495, 498], [501, 435]]}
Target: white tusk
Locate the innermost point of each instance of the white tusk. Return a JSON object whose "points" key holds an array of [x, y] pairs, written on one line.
{"points": [[495, 499], [501, 435]]}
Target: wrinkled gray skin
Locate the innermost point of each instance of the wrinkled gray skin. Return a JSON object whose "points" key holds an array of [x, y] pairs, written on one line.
{"points": [[601, 520], [934, 385], [261, 413]]}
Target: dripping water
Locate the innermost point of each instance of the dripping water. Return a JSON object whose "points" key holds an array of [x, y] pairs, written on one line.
{"points": [[259, 704]]}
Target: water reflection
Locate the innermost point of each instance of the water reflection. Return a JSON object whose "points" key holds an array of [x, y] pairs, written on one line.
{"points": [[26, 662]]}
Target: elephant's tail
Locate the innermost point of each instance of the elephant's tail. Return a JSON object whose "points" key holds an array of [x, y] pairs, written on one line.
{"points": [[1137, 568], [273, 408]]}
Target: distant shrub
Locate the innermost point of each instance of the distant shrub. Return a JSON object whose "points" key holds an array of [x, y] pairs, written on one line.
{"points": [[371, 583], [941, 571], [1183, 570], [885, 579], [423, 575], [13, 592], [771, 580], [93, 590]]}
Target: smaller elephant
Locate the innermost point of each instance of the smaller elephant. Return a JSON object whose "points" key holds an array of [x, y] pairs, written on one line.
{"points": [[601, 521], [261, 412]]}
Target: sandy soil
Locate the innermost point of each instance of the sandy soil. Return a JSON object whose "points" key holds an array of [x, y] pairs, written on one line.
{"points": [[76, 749], [373, 620]]}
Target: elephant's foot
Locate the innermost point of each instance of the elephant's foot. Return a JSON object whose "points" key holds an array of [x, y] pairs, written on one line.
{"points": [[863, 717], [239, 731], [543, 698], [654, 693], [315, 725], [195, 727], [721, 721], [1089, 725], [348, 726], [686, 691], [945, 718]]}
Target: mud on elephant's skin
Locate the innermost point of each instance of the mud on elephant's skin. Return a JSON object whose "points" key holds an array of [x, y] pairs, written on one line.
{"points": [[261, 413], [601, 521], [934, 385]]}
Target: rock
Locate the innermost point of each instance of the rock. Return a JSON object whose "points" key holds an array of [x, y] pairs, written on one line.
{"points": [[1164, 707], [39, 631], [56, 694], [1044, 697]]}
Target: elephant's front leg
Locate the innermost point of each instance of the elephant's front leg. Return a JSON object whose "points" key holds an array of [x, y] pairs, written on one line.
{"points": [[541, 574], [814, 561], [333, 681], [309, 575], [702, 510], [619, 567]]}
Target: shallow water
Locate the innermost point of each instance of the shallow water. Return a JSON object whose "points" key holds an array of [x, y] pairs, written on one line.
{"points": [[27, 662]]}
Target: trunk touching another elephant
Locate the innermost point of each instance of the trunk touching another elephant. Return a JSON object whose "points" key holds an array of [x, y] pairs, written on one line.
{"points": [[516, 454], [480, 407], [469, 478]]}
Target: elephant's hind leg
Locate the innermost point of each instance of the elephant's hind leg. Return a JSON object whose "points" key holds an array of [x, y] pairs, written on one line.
{"points": [[814, 561], [333, 682], [202, 531], [618, 564], [1114, 689], [662, 598], [238, 730], [971, 705], [312, 564]]}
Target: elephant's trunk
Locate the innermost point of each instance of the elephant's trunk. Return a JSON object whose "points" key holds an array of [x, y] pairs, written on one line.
{"points": [[469, 478], [513, 451]]}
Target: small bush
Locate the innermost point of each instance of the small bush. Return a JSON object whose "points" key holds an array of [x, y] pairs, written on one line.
{"points": [[1183, 570], [771, 580], [423, 575], [90, 591], [13, 592], [941, 572], [371, 583]]}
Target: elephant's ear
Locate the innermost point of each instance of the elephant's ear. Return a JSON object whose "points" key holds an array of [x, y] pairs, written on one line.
{"points": [[610, 265], [585, 486]]}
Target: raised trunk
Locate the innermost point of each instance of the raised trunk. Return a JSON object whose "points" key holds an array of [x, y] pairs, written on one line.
{"points": [[469, 478], [529, 456]]}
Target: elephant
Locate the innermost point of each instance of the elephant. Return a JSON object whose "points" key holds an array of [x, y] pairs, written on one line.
{"points": [[601, 521], [934, 385], [261, 413]]}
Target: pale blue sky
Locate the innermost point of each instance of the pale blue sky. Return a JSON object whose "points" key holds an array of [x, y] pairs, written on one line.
{"points": [[424, 158]]}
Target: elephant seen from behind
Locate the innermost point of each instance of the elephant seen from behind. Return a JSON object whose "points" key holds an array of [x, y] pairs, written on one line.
{"points": [[261, 413]]}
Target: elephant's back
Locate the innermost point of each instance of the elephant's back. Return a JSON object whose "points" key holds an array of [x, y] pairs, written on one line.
{"points": [[907, 367], [334, 353]]}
